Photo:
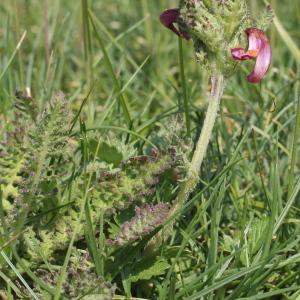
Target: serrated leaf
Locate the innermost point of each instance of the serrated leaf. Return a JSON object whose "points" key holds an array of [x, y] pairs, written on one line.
{"points": [[146, 269], [107, 153]]}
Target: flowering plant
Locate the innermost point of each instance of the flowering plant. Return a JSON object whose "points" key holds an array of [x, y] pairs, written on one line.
{"points": [[217, 29]]}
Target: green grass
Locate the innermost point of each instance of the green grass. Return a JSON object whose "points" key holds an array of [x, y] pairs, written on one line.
{"points": [[133, 89]]}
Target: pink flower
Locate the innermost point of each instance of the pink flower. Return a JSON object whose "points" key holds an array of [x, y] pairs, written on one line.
{"points": [[169, 17], [259, 48]]}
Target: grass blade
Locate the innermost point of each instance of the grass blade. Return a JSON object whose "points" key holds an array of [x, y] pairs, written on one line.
{"points": [[296, 136], [184, 88], [32, 293], [112, 74], [287, 39], [13, 55]]}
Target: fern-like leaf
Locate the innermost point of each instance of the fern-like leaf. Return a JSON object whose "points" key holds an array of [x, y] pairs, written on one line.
{"points": [[135, 180], [146, 219]]}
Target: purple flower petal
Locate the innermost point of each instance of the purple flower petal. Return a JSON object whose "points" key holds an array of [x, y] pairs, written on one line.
{"points": [[169, 17], [262, 64], [259, 48]]}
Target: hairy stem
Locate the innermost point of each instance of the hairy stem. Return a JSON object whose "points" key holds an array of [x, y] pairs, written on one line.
{"points": [[201, 147], [198, 156]]}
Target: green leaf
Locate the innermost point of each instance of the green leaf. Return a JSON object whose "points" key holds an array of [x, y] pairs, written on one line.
{"points": [[107, 153], [148, 268]]}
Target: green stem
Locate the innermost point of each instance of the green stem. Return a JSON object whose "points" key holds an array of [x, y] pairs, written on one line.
{"points": [[202, 144], [199, 154]]}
